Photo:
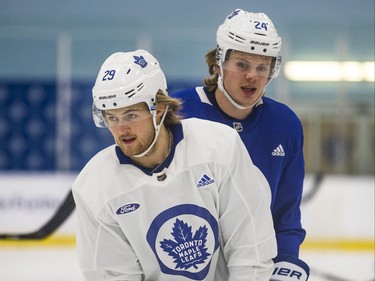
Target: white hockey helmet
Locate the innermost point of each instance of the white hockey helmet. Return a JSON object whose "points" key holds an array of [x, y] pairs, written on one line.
{"points": [[126, 79], [248, 32]]}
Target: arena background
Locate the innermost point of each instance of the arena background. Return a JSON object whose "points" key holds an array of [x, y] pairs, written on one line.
{"points": [[51, 51]]}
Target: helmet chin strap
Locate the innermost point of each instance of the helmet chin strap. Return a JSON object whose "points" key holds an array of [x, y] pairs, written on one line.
{"points": [[157, 131], [220, 85]]}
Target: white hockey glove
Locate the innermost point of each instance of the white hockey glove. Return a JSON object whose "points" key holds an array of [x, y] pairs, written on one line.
{"points": [[288, 268]]}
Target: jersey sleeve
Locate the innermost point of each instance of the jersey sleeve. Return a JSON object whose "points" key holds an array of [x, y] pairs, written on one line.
{"points": [[248, 237], [102, 248], [287, 216], [286, 208]]}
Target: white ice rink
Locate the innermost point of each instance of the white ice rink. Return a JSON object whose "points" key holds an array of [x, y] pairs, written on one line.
{"points": [[339, 220], [34, 263]]}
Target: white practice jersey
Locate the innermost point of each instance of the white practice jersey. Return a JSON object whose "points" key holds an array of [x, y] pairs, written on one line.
{"points": [[204, 216]]}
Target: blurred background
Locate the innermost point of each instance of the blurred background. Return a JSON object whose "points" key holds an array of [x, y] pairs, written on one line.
{"points": [[51, 52]]}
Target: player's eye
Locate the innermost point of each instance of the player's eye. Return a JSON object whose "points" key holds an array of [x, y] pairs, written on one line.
{"points": [[112, 119], [242, 66], [263, 68], [131, 117]]}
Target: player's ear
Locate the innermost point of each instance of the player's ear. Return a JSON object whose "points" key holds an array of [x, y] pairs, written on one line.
{"points": [[217, 68], [160, 111]]}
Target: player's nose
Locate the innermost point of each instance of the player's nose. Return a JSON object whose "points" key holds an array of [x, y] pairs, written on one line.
{"points": [[251, 74]]}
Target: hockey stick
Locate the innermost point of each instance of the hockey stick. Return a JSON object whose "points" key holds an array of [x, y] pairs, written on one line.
{"points": [[62, 213], [315, 187], [68, 206]]}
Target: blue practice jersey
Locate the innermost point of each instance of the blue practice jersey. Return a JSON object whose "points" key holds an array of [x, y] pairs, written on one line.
{"points": [[273, 136]]}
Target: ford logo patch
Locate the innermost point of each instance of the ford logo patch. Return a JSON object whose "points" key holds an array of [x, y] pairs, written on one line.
{"points": [[127, 208]]}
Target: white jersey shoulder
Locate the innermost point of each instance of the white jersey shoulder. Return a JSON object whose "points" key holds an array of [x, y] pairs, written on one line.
{"points": [[203, 142], [97, 175], [207, 140]]}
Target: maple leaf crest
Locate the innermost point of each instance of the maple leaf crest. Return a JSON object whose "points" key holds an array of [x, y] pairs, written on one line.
{"points": [[140, 61], [234, 13], [187, 250]]}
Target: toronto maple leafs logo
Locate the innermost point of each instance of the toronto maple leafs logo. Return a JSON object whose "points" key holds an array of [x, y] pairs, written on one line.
{"points": [[187, 250], [234, 13], [184, 240], [140, 61]]}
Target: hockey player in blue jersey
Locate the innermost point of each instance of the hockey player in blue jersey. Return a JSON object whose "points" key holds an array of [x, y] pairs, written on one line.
{"points": [[172, 199], [245, 61]]}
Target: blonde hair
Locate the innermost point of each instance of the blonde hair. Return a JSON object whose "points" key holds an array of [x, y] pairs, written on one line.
{"points": [[174, 105], [211, 81]]}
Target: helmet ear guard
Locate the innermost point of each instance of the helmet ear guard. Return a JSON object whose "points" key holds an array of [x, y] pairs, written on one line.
{"points": [[275, 67], [98, 117]]}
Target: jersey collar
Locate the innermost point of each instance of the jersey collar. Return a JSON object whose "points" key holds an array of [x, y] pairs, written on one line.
{"points": [[177, 137]]}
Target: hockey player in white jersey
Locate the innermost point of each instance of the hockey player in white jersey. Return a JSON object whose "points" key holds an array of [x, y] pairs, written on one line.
{"points": [[170, 200]]}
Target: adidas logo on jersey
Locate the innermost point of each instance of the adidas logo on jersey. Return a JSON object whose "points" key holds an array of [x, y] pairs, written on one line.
{"points": [[278, 151], [205, 180]]}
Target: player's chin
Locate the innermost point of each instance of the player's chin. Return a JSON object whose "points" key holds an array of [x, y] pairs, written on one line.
{"points": [[127, 150], [251, 99], [248, 102]]}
